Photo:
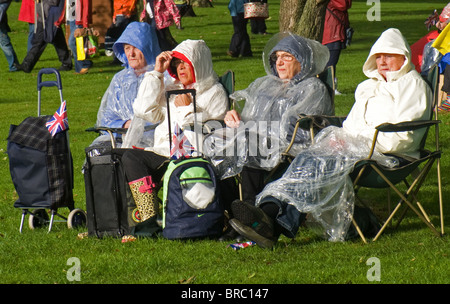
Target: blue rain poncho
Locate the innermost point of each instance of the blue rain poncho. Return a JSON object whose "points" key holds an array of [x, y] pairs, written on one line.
{"points": [[272, 106], [116, 106]]}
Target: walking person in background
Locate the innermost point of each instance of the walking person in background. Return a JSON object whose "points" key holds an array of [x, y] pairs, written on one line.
{"points": [[26, 14], [240, 41], [77, 17], [258, 25], [334, 36], [49, 16], [5, 41]]}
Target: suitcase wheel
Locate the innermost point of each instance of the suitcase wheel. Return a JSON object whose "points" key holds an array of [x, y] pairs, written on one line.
{"points": [[77, 218], [38, 219]]}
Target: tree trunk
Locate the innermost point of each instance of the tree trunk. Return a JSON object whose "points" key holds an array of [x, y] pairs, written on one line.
{"points": [[303, 17]]}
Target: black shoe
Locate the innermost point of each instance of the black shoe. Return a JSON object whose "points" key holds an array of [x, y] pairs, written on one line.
{"points": [[231, 235], [252, 223], [65, 67]]}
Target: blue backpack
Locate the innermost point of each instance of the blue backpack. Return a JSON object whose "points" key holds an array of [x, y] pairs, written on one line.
{"points": [[191, 206]]}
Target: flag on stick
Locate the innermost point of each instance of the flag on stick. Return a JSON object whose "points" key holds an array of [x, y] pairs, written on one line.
{"points": [[59, 121], [180, 144]]}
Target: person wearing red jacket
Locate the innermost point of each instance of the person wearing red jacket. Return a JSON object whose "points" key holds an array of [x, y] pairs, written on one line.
{"points": [[336, 23], [26, 14], [49, 17]]}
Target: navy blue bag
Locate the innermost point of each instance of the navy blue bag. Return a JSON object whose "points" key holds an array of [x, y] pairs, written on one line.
{"points": [[191, 198], [191, 205]]}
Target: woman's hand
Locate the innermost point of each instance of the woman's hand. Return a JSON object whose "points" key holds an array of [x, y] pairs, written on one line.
{"points": [[183, 100], [232, 119], [162, 61]]}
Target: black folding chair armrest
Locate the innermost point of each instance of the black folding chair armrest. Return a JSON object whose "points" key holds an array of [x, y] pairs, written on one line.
{"points": [[406, 125], [113, 130], [319, 121]]}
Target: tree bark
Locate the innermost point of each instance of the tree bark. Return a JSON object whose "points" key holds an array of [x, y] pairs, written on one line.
{"points": [[303, 17]]}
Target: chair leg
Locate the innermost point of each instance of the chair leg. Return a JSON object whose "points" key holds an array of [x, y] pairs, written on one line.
{"points": [[359, 231], [407, 201]]}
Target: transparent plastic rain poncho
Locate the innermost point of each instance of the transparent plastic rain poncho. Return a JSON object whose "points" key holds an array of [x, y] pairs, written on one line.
{"points": [[116, 106], [317, 180], [272, 106]]}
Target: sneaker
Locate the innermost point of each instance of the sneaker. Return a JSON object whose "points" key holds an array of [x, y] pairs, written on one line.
{"points": [[252, 223], [231, 54], [83, 71], [260, 233], [65, 67], [109, 53], [231, 235]]}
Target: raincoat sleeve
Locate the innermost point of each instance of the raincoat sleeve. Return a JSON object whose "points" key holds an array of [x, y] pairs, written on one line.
{"points": [[112, 113], [149, 101]]}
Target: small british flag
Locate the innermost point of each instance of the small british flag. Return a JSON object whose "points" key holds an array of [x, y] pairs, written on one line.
{"points": [[59, 121], [180, 144]]}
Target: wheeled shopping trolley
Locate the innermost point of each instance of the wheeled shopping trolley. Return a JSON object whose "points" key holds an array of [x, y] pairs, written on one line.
{"points": [[41, 167]]}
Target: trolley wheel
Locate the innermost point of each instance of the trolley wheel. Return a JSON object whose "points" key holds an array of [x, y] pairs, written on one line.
{"points": [[38, 219], [77, 218]]}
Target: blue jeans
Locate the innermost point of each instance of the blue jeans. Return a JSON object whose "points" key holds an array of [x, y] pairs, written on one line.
{"points": [[5, 41], [79, 64]]}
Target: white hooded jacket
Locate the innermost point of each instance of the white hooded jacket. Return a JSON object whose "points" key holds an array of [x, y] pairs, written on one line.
{"points": [[403, 96], [211, 98]]}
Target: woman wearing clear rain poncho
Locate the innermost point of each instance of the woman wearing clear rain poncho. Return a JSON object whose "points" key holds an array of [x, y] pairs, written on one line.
{"points": [[252, 144], [317, 181], [116, 107]]}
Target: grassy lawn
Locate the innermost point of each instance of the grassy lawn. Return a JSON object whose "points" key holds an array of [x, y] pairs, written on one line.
{"points": [[409, 255]]}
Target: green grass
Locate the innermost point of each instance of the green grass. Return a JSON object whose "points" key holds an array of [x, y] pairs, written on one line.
{"points": [[411, 254]]}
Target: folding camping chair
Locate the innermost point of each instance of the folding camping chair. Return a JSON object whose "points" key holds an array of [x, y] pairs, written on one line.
{"points": [[368, 173]]}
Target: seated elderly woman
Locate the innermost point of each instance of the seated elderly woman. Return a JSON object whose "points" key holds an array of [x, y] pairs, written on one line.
{"points": [[252, 144], [317, 180], [137, 49], [190, 63]]}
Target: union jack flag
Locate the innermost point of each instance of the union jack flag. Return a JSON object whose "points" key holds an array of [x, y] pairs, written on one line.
{"points": [[180, 144], [59, 121]]}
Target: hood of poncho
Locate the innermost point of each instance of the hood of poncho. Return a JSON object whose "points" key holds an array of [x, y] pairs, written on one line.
{"points": [[199, 56], [312, 55], [142, 36], [391, 41]]}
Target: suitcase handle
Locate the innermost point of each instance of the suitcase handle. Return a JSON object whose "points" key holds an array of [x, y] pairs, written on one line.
{"points": [[176, 92], [41, 84], [56, 83]]}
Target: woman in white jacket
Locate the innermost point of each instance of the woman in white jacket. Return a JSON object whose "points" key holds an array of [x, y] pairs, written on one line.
{"points": [[190, 63], [317, 181]]}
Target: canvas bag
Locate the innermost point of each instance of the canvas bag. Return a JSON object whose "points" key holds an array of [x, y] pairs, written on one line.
{"points": [[256, 10]]}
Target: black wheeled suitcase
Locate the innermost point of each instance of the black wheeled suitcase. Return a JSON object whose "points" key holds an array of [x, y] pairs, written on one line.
{"points": [[107, 194], [111, 210]]}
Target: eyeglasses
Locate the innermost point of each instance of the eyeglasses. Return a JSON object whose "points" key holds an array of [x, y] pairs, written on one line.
{"points": [[284, 57], [176, 62]]}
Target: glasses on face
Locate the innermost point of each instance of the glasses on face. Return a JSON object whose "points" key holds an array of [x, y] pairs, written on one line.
{"points": [[283, 56], [176, 62]]}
